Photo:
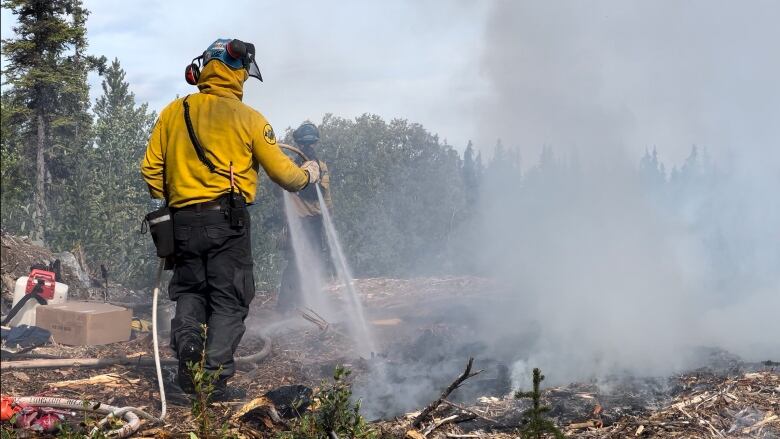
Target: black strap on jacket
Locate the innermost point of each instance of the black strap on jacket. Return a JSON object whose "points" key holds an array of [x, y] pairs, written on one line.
{"points": [[196, 143]]}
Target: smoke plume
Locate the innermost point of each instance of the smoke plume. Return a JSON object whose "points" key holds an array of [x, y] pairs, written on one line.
{"points": [[613, 273]]}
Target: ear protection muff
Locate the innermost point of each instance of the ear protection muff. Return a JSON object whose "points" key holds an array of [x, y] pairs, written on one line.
{"points": [[236, 49], [192, 73]]}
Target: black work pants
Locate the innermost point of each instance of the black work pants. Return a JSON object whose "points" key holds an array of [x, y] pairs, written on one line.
{"points": [[212, 284], [290, 288]]}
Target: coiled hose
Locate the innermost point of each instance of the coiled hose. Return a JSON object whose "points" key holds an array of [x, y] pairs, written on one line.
{"points": [[131, 415]]}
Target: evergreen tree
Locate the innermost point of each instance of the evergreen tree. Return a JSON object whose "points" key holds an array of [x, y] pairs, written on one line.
{"points": [[397, 193], [48, 96], [118, 198], [470, 178], [692, 165], [651, 170], [15, 202], [537, 425], [479, 168]]}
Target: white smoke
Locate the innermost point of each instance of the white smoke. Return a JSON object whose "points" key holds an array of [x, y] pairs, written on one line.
{"points": [[613, 279]]}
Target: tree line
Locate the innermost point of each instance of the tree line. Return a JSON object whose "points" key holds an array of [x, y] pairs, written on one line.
{"points": [[405, 202]]}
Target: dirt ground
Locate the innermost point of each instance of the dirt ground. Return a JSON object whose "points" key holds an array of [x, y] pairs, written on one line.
{"points": [[730, 399]]}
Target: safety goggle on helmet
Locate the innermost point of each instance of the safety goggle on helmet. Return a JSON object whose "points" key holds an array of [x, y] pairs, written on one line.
{"points": [[235, 54]]}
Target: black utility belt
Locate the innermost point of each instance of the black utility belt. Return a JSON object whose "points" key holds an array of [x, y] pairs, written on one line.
{"points": [[160, 222], [214, 205], [232, 204], [224, 202]]}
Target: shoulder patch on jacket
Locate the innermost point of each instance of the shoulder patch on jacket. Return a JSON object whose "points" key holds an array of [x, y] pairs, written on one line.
{"points": [[269, 135]]}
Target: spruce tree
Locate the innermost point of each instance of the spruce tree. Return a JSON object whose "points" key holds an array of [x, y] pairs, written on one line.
{"points": [[17, 186], [537, 425], [470, 176], [118, 198], [48, 96], [479, 168]]}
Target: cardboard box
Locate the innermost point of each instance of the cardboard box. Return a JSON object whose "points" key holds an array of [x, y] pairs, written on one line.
{"points": [[85, 323]]}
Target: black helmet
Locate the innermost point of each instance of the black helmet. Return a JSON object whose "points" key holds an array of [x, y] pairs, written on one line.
{"points": [[306, 134]]}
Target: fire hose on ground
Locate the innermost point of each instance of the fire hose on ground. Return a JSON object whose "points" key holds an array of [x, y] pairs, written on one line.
{"points": [[131, 415]]}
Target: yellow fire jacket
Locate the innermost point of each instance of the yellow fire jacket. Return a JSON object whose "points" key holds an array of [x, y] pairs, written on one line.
{"points": [[229, 131]]}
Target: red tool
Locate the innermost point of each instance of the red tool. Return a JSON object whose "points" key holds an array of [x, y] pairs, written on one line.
{"points": [[48, 280], [7, 408]]}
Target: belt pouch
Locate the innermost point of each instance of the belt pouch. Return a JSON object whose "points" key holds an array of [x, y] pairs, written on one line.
{"points": [[161, 227], [236, 211]]}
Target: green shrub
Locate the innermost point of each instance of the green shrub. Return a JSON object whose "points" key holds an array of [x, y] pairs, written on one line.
{"points": [[333, 414]]}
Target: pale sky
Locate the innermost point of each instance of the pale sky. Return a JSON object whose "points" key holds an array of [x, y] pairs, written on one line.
{"points": [[404, 59], [573, 74]]}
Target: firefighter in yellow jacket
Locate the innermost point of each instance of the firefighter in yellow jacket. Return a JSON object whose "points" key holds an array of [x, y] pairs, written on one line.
{"points": [[307, 214], [203, 158]]}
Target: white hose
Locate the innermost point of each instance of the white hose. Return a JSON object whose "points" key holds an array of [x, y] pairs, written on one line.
{"points": [[163, 404], [129, 414], [122, 413]]}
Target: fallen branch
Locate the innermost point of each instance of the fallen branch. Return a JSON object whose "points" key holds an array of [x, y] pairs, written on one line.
{"points": [[467, 410], [111, 380], [454, 419], [81, 362], [437, 424], [310, 315], [56, 363], [455, 384], [767, 420], [581, 425]]}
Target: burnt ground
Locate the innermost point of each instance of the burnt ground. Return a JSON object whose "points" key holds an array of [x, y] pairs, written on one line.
{"points": [[423, 342]]}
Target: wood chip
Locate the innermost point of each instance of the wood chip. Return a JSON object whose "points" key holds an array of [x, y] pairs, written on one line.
{"points": [[137, 354], [684, 412], [639, 430], [767, 420], [21, 376], [754, 376], [581, 425], [107, 380]]}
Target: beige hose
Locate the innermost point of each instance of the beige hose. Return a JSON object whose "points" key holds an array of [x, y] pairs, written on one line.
{"points": [[295, 150]]}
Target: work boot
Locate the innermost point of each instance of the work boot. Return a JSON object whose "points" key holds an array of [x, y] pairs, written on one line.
{"points": [[224, 393], [188, 353], [173, 392]]}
